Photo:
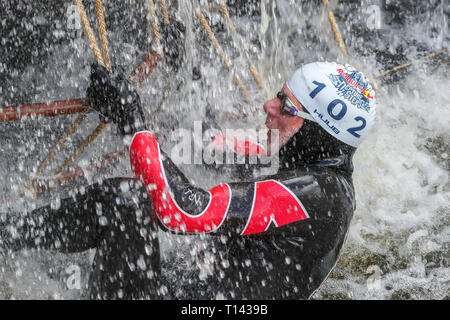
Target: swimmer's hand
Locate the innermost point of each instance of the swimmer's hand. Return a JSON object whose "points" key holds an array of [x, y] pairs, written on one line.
{"points": [[113, 96]]}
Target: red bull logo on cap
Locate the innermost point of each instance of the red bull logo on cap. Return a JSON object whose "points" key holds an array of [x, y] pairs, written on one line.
{"points": [[352, 86], [348, 78]]}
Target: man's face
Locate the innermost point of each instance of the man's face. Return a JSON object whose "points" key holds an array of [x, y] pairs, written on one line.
{"points": [[286, 125]]}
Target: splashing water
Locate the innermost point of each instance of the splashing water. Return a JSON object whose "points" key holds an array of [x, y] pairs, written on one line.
{"points": [[398, 243]]}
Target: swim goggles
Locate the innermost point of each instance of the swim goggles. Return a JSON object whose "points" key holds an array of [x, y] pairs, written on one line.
{"points": [[289, 108]]}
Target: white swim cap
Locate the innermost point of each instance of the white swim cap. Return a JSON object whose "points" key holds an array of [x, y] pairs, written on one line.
{"points": [[340, 98]]}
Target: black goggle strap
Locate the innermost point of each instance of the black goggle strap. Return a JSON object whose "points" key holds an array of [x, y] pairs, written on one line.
{"points": [[290, 108]]}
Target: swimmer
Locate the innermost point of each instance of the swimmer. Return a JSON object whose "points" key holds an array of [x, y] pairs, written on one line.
{"points": [[273, 237]]}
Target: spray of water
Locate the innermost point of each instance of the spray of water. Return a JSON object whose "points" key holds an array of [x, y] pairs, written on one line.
{"points": [[398, 241]]}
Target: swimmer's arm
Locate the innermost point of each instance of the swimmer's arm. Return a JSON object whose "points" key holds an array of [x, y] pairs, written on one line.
{"points": [[245, 208]]}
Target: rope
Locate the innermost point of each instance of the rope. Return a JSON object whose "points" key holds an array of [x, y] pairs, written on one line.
{"points": [[410, 63], [98, 56], [95, 165], [222, 55], [213, 40], [335, 29], [81, 147], [81, 117], [30, 186], [107, 61], [103, 35], [227, 16], [154, 25], [253, 69], [60, 143], [340, 40], [164, 12]]}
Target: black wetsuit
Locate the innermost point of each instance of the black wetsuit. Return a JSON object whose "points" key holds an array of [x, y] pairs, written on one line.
{"points": [[254, 259]]}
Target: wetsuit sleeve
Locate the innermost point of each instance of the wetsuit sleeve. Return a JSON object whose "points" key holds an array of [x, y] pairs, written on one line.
{"points": [[244, 208]]}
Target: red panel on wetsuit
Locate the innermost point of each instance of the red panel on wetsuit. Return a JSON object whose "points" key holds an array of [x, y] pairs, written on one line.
{"points": [[273, 202], [146, 163]]}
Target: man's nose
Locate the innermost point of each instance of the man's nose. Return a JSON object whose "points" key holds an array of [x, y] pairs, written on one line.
{"points": [[272, 107]]}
